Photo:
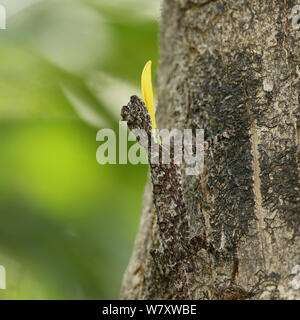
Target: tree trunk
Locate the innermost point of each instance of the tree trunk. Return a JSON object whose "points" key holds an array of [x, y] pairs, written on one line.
{"points": [[230, 66]]}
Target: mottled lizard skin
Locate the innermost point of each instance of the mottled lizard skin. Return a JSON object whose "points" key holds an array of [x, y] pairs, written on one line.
{"points": [[172, 215]]}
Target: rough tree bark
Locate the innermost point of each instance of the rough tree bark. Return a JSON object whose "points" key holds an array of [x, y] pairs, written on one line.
{"points": [[230, 66]]}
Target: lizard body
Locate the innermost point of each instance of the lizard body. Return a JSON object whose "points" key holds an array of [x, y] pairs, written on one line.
{"points": [[172, 215]]}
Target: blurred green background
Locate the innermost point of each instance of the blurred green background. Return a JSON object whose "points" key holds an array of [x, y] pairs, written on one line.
{"points": [[67, 224]]}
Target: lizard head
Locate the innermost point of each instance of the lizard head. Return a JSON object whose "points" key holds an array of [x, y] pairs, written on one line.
{"points": [[136, 115]]}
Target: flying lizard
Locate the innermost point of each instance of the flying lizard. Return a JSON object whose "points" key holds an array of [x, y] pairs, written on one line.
{"points": [[172, 215], [178, 245]]}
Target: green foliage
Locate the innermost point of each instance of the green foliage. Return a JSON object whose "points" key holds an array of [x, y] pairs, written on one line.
{"points": [[67, 224]]}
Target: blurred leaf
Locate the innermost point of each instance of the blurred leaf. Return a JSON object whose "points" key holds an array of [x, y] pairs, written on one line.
{"points": [[67, 224]]}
